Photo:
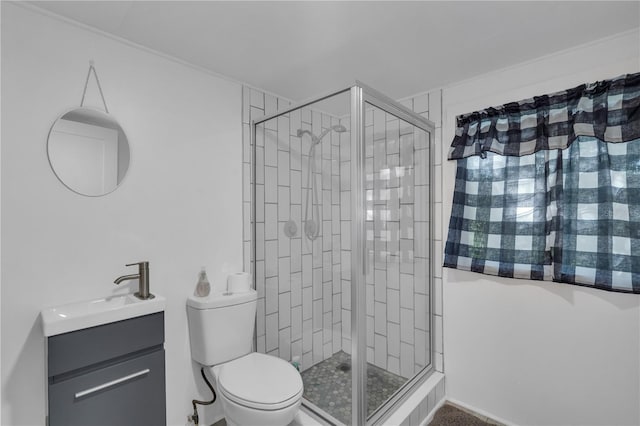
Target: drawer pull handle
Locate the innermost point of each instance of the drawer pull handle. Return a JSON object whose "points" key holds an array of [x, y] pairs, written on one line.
{"points": [[112, 383]]}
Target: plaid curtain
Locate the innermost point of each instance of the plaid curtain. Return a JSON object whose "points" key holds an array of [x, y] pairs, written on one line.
{"points": [[549, 188]]}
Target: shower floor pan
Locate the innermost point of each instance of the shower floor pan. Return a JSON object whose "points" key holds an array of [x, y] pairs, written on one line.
{"points": [[328, 386]]}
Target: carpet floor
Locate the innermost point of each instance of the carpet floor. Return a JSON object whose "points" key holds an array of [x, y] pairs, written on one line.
{"points": [[449, 415]]}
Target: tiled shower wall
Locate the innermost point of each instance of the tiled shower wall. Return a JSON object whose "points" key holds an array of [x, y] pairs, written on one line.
{"points": [[302, 317], [298, 280]]}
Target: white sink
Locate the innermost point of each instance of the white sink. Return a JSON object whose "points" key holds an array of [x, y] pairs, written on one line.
{"points": [[90, 313]]}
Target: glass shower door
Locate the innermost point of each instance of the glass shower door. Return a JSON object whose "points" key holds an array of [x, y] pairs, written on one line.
{"points": [[397, 233]]}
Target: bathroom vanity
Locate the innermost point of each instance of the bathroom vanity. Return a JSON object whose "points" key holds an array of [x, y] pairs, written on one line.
{"points": [[111, 374]]}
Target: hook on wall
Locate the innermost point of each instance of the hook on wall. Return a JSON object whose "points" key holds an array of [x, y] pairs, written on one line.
{"points": [[86, 83]]}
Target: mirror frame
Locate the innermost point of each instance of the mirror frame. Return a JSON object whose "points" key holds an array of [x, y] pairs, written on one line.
{"points": [[53, 169]]}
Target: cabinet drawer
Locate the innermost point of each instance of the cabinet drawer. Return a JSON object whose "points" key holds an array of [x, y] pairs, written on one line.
{"points": [[82, 348], [124, 394]]}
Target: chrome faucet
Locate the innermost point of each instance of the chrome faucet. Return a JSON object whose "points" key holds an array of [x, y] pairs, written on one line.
{"points": [[143, 279]]}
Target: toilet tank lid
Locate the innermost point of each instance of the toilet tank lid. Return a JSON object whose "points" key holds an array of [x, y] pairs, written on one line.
{"points": [[220, 299]]}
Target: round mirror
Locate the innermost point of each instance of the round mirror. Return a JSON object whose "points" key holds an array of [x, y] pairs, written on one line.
{"points": [[88, 151]]}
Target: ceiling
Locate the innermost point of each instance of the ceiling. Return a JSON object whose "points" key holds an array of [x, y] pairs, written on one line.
{"points": [[302, 49]]}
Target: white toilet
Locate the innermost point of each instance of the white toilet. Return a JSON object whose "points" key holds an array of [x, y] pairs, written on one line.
{"points": [[255, 389]]}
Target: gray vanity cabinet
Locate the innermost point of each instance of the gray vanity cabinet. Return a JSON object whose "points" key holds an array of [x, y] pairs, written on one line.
{"points": [[109, 375]]}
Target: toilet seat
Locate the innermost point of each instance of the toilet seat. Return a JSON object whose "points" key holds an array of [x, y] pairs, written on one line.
{"points": [[259, 381]]}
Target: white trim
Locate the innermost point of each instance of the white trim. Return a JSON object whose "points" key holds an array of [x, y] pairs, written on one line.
{"points": [[527, 62], [481, 412], [122, 40]]}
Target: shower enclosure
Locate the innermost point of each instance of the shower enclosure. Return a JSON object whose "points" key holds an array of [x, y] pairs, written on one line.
{"points": [[341, 249]]}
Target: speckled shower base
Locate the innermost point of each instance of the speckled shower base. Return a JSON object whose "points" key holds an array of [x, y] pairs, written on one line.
{"points": [[328, 385]]}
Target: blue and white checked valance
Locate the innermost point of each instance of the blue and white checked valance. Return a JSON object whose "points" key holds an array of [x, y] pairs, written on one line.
{"points": [[608, 110], [549, 188]]}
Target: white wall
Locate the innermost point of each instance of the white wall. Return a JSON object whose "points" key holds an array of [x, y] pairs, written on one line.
{"points": [[540, 353], [179, 207]]}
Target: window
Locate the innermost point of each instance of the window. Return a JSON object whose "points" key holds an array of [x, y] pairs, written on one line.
{"points": [[549, 188]]}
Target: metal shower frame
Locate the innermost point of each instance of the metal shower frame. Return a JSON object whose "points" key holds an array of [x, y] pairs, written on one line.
{"points": [[361, 94]]}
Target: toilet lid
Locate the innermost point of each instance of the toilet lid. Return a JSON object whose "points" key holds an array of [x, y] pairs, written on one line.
{"points": [[260, 381]]}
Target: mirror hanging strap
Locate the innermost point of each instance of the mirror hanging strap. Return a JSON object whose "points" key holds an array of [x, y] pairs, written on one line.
{"points": [[84, 92]]}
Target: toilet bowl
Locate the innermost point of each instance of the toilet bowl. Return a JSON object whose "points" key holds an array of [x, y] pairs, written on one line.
{"points": [[254, 388], [258, 389]]}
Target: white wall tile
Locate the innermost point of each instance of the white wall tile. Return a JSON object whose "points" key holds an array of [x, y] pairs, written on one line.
{"points": [[256, 98], [307, 303], [271, 221], [370, 331], [393, 305], [270, 105], [327, 349], [327, 328], [284, 274], [380, 318], [296, 323], [283, 203], [437, 296], [439, 362], [296, 246], [406, 291], [421, 309], [260, 317], [317, 315], [337, 337], [406, 325], [271, 295], [393, 364], [406, 360], [261, 343], [307, 360], [307, 336], [296, 289], [284, 344], [272, 332], [346, 323], [394, 339], [438, 333], [271, 184], [270, 147], [284, 310], [380, 351], [421, 277], [284, 242], [296, 349], [318, 347], [284, 169], [421, 348], [307, 269]]}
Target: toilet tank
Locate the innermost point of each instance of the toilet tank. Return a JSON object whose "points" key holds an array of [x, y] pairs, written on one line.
{"points": [[221, 326]]}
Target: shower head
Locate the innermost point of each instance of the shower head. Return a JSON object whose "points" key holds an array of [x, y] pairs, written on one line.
{"points": [[338, 128]]}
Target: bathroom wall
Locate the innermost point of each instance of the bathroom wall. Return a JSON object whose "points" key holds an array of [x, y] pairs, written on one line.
{"points": [[540, 353], [179, 206]]}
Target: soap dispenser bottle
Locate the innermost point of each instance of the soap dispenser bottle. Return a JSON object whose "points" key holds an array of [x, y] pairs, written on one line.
{"points": [[203, 288]]}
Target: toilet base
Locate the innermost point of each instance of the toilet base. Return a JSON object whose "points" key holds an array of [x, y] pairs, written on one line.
{"points": [[239, 415]]}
